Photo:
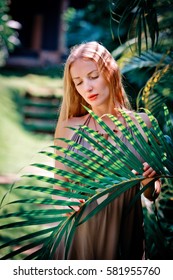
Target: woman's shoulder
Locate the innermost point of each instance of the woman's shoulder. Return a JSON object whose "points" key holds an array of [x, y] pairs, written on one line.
{"points": [[77, 121], [143, 115], [64, 127]]}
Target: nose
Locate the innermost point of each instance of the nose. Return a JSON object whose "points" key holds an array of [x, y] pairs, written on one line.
{"points": [[88, 86]]}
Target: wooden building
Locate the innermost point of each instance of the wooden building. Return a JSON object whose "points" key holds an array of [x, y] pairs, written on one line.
{"points": [[42, 33]]}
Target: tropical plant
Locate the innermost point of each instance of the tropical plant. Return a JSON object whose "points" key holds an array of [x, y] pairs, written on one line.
{"points": [[87, 24], [146, 61], [8, 34], [111, 170], [158, 222], [148, 48], [156, 93], [149, 22], [105, 172]]}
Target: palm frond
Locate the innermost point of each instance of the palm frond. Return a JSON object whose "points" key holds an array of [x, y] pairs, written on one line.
{"points": [[139, 13], [99, 172], [147, 59], [157, 93]]}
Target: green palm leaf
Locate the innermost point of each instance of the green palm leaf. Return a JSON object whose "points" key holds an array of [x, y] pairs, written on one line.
{"points": [[106, 172], [139, 13], [158, 92], [147, 60]]}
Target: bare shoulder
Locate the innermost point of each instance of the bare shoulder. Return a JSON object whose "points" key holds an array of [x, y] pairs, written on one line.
{"points": [[77, 121], [63, 128], [144, 116]]}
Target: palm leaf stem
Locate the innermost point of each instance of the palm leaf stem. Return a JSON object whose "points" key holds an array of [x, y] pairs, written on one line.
{"points": [[60, 233], [73, 228], [116, 191]]}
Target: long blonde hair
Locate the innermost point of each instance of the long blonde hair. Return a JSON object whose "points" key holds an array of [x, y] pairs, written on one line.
{"points": [[72, 101]]}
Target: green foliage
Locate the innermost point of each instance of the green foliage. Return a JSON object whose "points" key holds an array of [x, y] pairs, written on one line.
{"points": [[15, 139], [106, 172], [158, 223], [147, 53], [80, 30], [8, 34], [88, 24], [148, 21], [157, 92], [146, 68]]}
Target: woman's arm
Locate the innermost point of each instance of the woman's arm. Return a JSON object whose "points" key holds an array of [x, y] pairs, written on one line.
{"points": [[153, 191], [62, 131]]}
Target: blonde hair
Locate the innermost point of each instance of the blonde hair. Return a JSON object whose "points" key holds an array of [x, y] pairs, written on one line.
{"points": [[72, 101]]}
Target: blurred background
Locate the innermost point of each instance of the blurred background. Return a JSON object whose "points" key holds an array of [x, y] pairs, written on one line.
{"points": [[35, 39]]}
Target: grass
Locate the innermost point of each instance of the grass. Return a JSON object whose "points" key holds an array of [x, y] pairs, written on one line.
{"points": [[14, 138], [20, 147]]}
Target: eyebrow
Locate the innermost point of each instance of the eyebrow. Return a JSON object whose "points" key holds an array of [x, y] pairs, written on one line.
{"points": [[75, 78]]}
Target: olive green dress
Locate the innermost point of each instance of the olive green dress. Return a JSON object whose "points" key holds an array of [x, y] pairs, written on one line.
{"points": [[114, 233]]}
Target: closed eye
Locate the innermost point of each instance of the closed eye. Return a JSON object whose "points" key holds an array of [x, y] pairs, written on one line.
{"points": [[93, 77], [79, 83]]}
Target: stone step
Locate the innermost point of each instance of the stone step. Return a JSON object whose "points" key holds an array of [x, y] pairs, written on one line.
{"points": [[40, 113]]}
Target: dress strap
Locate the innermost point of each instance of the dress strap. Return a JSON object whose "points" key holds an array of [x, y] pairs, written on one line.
{"points": [[77, 138], [87, 120]]}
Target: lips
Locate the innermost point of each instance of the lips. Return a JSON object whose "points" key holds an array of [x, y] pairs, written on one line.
{"points": [[93, 97]]}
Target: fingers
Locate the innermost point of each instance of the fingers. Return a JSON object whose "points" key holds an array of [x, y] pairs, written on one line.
{"points": [[157, 187], [135, 172], [148, 171], [76, 208]]}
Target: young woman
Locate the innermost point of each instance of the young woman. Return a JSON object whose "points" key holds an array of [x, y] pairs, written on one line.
{"points": [[92, 78]]}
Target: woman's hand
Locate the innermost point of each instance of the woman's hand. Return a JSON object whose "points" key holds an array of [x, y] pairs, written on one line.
{"points": [[151, 192], [148, 171]]}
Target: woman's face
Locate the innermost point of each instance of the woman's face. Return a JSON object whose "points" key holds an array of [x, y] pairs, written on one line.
{"points": [[90, 84]]}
